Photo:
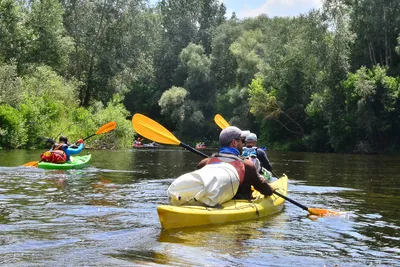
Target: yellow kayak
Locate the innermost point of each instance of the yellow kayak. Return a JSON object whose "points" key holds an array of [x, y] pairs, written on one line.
{"points": [[231, 211]]}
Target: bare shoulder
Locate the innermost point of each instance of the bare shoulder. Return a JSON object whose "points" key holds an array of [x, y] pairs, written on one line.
{"points": [[202, 163]]}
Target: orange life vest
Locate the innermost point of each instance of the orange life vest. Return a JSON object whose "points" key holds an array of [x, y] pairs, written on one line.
{"points": [[237, 163], [55, 156]]}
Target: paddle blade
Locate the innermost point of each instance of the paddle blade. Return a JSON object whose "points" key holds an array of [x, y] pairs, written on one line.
{"points": [[220, 121], [322, 212], [31, 164], [152, 130], [107, 127]]}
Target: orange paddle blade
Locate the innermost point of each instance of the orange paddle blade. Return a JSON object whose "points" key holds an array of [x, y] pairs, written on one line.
{"points": [[31, 164], [220, 121], [152, 130], [107, 127], [323, 212]]}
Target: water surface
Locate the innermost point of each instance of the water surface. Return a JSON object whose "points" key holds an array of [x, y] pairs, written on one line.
{"points": [[105, 215]]}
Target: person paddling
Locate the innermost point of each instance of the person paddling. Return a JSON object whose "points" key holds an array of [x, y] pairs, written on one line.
{"points": [[231, 140], [61, 152], [257, 155]]}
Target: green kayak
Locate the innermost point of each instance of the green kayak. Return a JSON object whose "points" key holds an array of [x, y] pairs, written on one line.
{"points": [[75, 163]]}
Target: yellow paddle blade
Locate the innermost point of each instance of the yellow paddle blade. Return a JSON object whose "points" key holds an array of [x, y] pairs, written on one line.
{"points": [[31, 164], [152, 130], [323, 212], [107, 127], [220, 121]]}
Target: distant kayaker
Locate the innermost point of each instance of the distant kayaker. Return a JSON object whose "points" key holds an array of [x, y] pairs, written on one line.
{"points": [[251, 149], [231, 140], [61, 152]]}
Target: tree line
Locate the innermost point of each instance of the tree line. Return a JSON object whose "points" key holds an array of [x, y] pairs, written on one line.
{"points": [[324, 81]]}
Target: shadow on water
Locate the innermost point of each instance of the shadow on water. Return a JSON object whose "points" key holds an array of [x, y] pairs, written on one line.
{"points": [[105, 215]]}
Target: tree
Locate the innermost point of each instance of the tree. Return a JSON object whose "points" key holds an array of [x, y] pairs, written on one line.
{"points": [[224, 64], [184, 22], [375, 24], [10, 85], [13, 34], [47, 43]]}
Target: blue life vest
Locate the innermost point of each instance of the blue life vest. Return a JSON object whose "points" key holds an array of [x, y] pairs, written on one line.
{"points": [[251, 153]]}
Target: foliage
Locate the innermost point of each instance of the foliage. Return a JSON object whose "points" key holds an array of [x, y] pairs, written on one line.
{"points": [[47, 99], [223, 64], [123, 135], [13, 34], [10, 85], [326, 80], [184, 22], [12, 131], [48, 43], [371, 101], [197, 67], [172, 102]]}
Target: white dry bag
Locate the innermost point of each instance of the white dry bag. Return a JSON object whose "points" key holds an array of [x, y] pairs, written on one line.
{"points": [[211, 185]]}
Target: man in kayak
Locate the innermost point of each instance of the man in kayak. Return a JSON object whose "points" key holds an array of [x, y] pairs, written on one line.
{"points": [[61, 152], [251, 150], [231, 140]]}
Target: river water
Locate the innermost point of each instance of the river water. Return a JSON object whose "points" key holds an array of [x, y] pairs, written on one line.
{"points": [[105, 214]]}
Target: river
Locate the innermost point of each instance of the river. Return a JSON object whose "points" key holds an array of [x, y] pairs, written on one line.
{"points": [[105, 214]]}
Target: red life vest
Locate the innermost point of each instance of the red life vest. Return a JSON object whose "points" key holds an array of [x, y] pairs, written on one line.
{"points": [[55, 156], [236, 163]]}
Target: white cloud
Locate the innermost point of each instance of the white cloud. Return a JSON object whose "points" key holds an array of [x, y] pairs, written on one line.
{"points": [[280, 8]]}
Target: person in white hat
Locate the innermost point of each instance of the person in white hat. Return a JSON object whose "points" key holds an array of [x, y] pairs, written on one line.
{"points": [[231, 140], [252, 149]]}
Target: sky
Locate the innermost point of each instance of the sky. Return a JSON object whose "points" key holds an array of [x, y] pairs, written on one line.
{"points": [[253, 8]]}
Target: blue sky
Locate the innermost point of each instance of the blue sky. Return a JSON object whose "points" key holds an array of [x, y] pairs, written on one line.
{"points": [[253, 8]]}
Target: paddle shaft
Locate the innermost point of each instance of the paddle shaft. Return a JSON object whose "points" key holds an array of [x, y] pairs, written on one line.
{"points": [[291, 201], [193, 150], [89, 137]]}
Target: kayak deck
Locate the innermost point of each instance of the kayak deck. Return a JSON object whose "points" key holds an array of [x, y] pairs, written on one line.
{"points": [[76, 163], [231, 211]]}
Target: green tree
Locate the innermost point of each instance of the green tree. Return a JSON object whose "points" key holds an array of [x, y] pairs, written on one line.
{"points": [[10, 85], [13, 134], [13, 34], [375, 24], [372, 101], [48, 100], [184, 22], [224, 64], [48, 43]]}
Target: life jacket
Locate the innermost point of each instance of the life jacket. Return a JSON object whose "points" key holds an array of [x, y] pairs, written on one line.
{"points": [[236, 162], [251, 153], [57, 155]]}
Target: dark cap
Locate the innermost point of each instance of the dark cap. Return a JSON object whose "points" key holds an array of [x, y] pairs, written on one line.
{"points": [[230, 133]]}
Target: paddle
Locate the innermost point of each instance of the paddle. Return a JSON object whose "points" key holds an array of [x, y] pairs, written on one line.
{"points": [[154, 131], [103, 129], [222, 123]]}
